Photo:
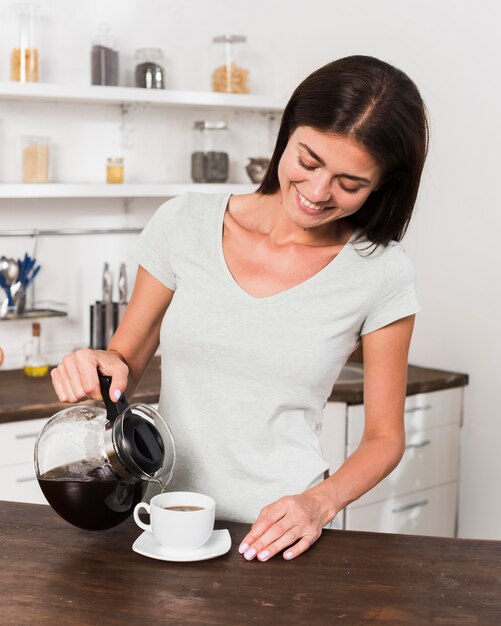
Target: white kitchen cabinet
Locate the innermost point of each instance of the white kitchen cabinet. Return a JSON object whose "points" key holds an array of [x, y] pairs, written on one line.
{"points": [[17, 470], [420, 495]]}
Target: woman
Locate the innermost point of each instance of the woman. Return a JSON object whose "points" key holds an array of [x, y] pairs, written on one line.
{"points": [[258, 300]]}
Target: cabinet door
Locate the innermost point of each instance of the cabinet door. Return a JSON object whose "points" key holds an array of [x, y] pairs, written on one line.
{"points": [[431, 458], [17, 441], [427, 512], [19, 484]]}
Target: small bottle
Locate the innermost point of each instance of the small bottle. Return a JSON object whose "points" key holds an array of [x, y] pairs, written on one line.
{"points": [[230, 73], [24, 55], [115, 170], [149, 72], [104, 58], [36, 364], [36, 159]]}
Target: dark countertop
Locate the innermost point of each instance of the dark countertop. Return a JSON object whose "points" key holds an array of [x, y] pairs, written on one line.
{"points": [[23, 398], [52, 573]]}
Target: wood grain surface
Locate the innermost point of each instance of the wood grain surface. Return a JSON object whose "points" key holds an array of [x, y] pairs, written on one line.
{"points": [[53, 573]]}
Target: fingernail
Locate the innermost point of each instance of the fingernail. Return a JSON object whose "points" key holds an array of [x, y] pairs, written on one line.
{"points": [[250, 553], [263, 555], [117, 393], [243, 547], [289, 555]]}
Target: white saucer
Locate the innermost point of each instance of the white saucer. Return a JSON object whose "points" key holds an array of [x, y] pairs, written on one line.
{"points": [[218, 544]]}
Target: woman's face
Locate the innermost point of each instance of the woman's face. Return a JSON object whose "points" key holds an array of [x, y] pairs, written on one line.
{"points": [[324, 177]]}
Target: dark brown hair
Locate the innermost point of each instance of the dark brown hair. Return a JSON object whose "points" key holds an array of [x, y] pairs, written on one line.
{"points": [[378, 105]]}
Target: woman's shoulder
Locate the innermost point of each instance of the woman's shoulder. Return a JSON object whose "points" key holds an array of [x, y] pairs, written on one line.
{"points": [[193, 201]]}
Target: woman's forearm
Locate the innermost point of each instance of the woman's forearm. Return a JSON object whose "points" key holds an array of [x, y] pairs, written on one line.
{"points": [[372, 461]]}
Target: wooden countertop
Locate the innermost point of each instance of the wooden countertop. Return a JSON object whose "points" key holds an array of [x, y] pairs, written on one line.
{"points": [[24, 398], [52, 573]]}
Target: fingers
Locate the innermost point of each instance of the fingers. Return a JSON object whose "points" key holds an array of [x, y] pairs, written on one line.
{"points": [[76, 376], [287, 522], [111, 365], [301, 546]]}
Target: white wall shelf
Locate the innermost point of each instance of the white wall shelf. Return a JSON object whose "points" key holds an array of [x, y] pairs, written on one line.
{"points": [[133, 190], [87, 94]]}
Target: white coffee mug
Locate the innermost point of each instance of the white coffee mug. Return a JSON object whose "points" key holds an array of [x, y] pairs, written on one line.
{"points": [[179, 529]]}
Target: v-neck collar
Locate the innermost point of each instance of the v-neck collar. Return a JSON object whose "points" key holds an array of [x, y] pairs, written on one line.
{"points": [[303, 285]]}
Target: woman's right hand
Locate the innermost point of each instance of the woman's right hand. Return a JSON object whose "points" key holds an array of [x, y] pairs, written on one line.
{"points": [[75, 378]]}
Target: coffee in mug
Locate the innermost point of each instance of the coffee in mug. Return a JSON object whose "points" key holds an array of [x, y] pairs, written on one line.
{"points": [[183, 507], [179, 520]]}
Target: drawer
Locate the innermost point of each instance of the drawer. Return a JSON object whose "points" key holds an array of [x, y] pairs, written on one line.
{"points": [[427, 512], [19, 484], [423, 410], [17, 441], [431, 458]]}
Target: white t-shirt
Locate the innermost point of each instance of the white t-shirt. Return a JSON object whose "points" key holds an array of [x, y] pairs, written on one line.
{"points": [[245, 379]]}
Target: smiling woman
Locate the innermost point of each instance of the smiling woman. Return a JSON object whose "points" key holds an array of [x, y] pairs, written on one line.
{"points": [[258, 300]]}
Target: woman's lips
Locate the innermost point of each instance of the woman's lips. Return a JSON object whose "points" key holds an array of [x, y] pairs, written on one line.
{"points": [[300, 199]]}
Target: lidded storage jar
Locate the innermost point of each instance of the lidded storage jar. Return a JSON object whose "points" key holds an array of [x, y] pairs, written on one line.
{"points": [[24, 55], [210, 162], [104, 58], [230, 72], [36, 159], [150, 68]]}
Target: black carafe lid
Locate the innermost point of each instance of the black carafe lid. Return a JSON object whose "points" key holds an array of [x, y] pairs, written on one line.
{"points": [[137, 442]]}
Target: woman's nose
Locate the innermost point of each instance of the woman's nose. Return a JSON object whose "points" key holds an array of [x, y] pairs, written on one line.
{"points": [[321, 188]]}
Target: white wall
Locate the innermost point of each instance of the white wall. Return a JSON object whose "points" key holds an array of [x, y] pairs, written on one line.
{"points": [[450, 48]]}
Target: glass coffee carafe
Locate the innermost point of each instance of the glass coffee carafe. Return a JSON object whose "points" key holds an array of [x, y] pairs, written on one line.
{"points": [[93, 464]]}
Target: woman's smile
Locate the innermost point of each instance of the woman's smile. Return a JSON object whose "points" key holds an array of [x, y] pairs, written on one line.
{"points": [[307, 206]]}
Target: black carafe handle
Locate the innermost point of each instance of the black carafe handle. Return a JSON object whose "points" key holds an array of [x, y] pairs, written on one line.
{"points": [[113, 409]]}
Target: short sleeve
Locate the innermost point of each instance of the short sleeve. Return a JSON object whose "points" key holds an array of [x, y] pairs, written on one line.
{"points": [[396, 297], [154, 249]]}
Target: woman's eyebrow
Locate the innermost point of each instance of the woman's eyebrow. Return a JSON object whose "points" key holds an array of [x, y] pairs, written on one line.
{"points": [[322, 162]]}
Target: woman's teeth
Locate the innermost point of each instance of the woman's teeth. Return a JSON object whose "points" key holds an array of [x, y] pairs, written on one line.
{"points": [[307, 203]]}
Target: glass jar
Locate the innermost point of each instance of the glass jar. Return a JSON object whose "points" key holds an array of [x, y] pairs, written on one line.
{"points": [[104, 58], [36, 159], [24, 55], [230, 73], [210, 162], [150, 68], [115, 170]]}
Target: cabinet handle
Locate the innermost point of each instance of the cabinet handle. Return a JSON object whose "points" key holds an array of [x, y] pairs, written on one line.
{"points": [[414, 409], [413, 505], [419, 444], [27, 436], [26, 479]]}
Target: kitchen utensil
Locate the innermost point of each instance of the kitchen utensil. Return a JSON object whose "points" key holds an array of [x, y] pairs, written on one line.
{"points": [[122, 284], [122, 294], [9, 270], [107, 304], [93, 464]]}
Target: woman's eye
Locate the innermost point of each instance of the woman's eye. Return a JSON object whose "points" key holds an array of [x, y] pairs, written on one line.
{"points": [[348, 189], [306, 167]]}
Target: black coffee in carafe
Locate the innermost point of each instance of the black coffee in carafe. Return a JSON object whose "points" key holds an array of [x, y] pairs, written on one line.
{"points": [[91, 498], [93, 464]]}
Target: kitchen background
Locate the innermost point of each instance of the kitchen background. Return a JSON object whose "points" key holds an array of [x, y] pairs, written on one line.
{"points": [[451, 49]]}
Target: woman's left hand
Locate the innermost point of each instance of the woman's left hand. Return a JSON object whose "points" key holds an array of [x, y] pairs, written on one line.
{"points": [[293, 522]]}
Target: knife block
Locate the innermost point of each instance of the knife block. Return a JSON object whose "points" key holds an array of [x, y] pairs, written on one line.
{"points": [[104, 320]]}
